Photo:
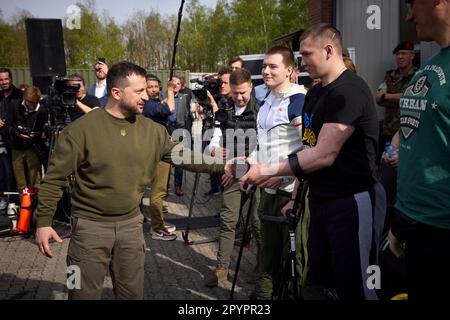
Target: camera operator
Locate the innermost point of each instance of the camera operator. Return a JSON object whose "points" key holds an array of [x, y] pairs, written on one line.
{"points": [[85, 102], [27, 138], [225, 102], [242, 115]]}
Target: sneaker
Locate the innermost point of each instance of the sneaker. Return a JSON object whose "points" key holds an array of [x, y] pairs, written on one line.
{"points": [[215, 277], [163, 235], [169, 227]]}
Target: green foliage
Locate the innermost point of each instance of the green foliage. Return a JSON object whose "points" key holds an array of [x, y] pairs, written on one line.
{"points": [[13, 41], [208, 37]]}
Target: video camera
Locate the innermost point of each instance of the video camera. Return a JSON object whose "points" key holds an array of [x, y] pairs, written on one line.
{"points": [[61, 94], [210, 83]]}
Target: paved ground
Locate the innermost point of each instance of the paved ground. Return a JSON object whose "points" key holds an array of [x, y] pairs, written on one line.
{"points": [[172, 269]]}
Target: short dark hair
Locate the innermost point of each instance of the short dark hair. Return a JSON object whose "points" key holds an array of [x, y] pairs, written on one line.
{"points": [[236, 59], [286, 53], [152, 77], [117, 75], [226, 70], [77, 77], [324, 31], [8, 71], [240, 76]]}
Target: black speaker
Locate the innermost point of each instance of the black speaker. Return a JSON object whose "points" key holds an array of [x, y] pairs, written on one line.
{"points": [[45, 47]]}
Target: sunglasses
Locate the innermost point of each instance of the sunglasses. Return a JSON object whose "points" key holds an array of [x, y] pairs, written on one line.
{"points": [[97, 69]]}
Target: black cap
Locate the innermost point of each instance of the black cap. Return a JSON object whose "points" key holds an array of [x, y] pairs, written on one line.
{"points": [[404, 45]]}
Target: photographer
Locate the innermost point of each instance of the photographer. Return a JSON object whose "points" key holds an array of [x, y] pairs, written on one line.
{"points": [[225, 102], [241, 115], [27, 138], [85, 102], [99, 89]]}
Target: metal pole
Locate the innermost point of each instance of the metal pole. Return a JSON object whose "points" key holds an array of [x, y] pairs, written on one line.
{"points": [[175, 42]]}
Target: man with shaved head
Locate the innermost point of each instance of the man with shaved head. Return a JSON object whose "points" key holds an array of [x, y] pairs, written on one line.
{"points": [[340, 126]]}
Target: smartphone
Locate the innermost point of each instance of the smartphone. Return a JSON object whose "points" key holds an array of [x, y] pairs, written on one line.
{"points": [[101, 59]]}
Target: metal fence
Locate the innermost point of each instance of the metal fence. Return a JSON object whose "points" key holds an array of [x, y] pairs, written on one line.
{"points": [[23, 76]]}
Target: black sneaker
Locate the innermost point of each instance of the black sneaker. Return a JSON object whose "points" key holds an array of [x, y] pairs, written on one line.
{"points": [[163, 235]]}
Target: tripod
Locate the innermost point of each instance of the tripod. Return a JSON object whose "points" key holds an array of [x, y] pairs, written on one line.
{"points": [[56, 122], [289, 273], [191, 207], [244, 198]]}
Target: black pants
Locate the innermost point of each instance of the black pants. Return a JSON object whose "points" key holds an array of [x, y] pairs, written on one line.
{"points": [[344, 237], [427, 257]]}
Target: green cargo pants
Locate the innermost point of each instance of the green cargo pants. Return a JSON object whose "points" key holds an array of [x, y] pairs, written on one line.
{"points": [[95, 247], [275, 247], [158, 190], [229, 215]]}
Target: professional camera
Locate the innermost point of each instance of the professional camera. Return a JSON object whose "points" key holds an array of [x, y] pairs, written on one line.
{"points": [[24, 131], [61, 94], [210, 83]]}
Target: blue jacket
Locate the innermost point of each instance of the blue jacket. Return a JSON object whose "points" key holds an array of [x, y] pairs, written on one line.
{"points": [[102, 100]]}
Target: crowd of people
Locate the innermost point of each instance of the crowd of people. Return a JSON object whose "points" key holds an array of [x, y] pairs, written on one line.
{"points": [[326, 138]]}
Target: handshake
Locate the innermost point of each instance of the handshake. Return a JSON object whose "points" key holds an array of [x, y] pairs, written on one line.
{"points": [[251, 173], [241, 167]]}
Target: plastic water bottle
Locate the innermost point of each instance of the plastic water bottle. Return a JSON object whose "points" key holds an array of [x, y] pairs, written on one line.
{"points": [[390, 150]]}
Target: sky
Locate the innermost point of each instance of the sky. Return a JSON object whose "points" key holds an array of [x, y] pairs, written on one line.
{"points": [[120, 10]]}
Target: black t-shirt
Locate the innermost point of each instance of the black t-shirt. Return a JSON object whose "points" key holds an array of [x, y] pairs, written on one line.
{"points": [[90, 101], [347, 100]]}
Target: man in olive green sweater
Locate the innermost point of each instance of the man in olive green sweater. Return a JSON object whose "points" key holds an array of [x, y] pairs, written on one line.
{"points": [[113, 153]]}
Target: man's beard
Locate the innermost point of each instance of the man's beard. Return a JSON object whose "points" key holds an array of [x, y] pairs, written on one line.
{"points": [[128, 108]]}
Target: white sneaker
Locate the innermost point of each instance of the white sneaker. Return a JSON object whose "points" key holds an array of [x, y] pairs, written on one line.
{"points": [[170, 227]]}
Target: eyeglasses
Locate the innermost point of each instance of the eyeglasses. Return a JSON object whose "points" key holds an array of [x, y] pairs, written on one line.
{"points": [[97, 69]]}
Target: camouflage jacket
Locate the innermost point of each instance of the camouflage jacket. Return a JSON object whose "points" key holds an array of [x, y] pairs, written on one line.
{"points": [[395, 82]]}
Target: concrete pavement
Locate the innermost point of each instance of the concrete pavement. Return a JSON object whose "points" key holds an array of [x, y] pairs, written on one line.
{"points": [[172, 269]]}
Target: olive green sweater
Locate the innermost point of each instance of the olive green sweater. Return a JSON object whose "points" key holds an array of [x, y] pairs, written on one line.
{"points": [[113, 160]]}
